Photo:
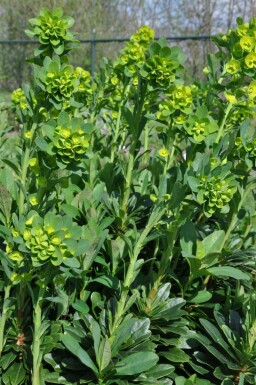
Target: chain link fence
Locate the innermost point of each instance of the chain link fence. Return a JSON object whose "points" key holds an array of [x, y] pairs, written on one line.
{"points": [[14, 69]]}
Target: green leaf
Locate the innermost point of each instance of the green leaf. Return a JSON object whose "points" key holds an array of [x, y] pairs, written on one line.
{"points": [[70, 210], [104, 354], [81, 306], [96, 335], [73, 346], [159, 371], [193, 183], [42, 144], [6, 360], [200, 297], [14, 375], [5, 202], [136, 363], [178, 193], [108, 281], [188, 238], [13, 166], [154, 48], [213, 242], [176, 355], [228, 271]]}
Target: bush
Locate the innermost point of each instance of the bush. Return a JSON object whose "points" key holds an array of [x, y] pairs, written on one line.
{"points": [[128, 217]]}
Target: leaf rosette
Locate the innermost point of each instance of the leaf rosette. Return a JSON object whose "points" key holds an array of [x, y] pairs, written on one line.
{"points": [[57, 80], [51, 29], [178, 101], [200, 125], [50, 239], [216, 192], [68, 139]]}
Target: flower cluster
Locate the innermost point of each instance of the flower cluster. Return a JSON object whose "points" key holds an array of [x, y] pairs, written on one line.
{"points": [[241, 46], [58, 81], [247, 149], [133, 55], [239, 115], [49, 239], [178, 102], [19, 99], [68, 138], [216, 192], [200, 125], [70, 144], [84, 79], [160, 71], [51, 29]]}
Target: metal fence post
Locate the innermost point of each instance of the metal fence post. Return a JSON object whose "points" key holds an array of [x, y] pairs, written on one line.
{"points": [[93, 50]]}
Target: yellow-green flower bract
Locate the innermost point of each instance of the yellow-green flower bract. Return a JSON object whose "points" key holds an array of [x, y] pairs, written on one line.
{"points": [[18, 99], [216, 192], [70, 144], [51, 29]]}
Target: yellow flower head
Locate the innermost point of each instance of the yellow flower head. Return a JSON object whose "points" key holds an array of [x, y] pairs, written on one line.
{"points": [[153, 197], [28, 134], [163, 152], [230, 98], [247, 43], [250, 60], [16, 256], [252, 90], [33, 162], [242, 29], [33, 200], [232, 66]]}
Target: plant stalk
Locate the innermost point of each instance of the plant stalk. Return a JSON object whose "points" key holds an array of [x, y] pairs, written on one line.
{"points": [[36, 345], [130, 276], [24, 170], [117, 128], [4, 316]]}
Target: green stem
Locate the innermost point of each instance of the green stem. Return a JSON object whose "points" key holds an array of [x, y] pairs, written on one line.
{"points": [[36, 345], [146, 134], [24, 169], [171, 156], [228, 109], [137, 119], [130, 275], [6, 306], [128, 180], [166, 166], [117, 128]]}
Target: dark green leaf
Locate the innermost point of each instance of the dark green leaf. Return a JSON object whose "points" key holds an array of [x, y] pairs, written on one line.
{"points": [[228, 271], [73, 346], [136, 363]]}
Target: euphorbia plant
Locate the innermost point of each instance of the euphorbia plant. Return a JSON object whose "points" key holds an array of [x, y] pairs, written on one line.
{"points": [[127, 212]]}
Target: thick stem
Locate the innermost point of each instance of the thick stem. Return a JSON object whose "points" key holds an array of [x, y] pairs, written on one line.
{"points": [[128, 180], [23, 179], [24, 169], [36, 345], [4, 316], [137, 119], [168, 140], [146, 135], [116, 134], [131, 274]]}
